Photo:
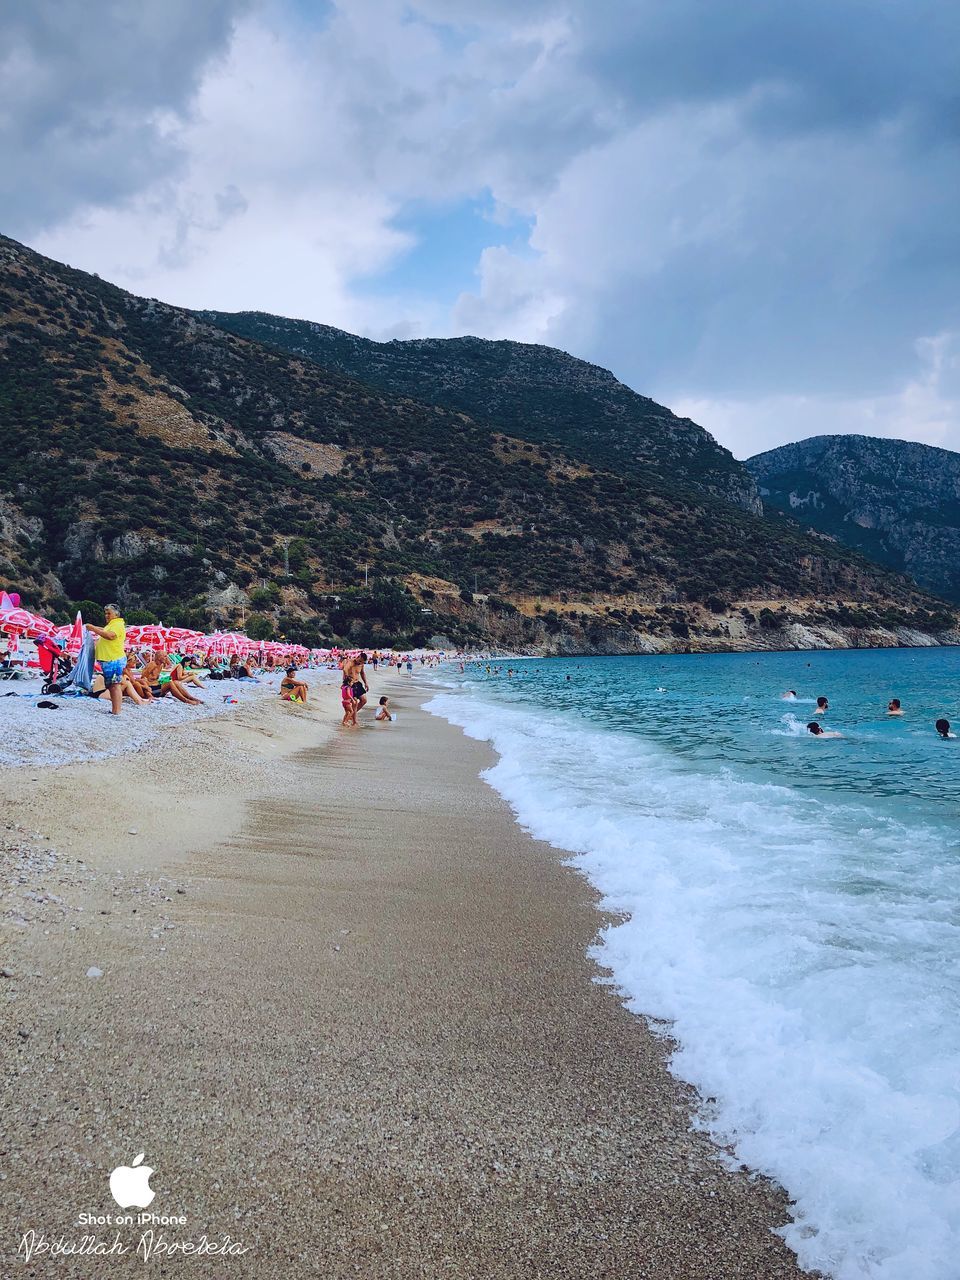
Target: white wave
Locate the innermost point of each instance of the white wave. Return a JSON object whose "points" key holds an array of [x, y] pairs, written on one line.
{"points": [[807, 956]]}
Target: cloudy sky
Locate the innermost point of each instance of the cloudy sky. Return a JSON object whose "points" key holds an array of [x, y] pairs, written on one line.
{"points": [[746, 208]]}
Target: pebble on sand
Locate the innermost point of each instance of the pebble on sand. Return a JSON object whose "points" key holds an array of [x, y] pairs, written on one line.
{"points": [[94, 972]]}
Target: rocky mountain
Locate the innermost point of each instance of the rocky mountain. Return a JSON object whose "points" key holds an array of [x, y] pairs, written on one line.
{"points": [[896, 502], [202, 476], [533, 392]]}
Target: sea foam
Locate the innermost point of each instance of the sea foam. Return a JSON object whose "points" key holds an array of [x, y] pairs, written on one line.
{"points": [[805, 954]]}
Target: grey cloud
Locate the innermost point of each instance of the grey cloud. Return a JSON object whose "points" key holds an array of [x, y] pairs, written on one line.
{"points": [[81, 89], [777, 183], [734, 200], [829, 63]]}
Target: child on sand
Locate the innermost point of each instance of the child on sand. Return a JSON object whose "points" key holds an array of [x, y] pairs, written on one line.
{"points": [[383, 710], [349, 703]]}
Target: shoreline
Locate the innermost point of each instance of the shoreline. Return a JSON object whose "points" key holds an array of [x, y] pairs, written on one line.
{"points": [[347, 1010], [687, 649]]}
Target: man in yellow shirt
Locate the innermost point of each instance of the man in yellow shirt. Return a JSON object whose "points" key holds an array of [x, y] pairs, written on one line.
{"points": [[109, 652]]}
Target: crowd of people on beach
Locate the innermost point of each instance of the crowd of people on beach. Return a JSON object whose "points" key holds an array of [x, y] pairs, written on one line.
{"points": [[105, 665], [159, 673]]}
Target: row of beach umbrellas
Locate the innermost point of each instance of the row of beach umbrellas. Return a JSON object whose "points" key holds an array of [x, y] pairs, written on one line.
{"points": [[18, 622]]}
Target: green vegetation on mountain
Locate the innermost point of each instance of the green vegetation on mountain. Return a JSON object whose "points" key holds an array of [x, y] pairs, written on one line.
{"points": [[895, 501], [536, 393], [201, 476]]}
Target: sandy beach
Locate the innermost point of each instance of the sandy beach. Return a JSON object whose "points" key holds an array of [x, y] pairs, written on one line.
{"points": [[341, 1002]]}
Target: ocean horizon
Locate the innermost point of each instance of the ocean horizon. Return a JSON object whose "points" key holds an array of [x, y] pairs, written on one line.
{"points": [[787, 908]]}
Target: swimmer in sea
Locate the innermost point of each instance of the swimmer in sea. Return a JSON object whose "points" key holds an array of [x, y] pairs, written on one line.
{"points": [[894, 708], [818, 731], [943, 728], [822, 707], [789, 696]]}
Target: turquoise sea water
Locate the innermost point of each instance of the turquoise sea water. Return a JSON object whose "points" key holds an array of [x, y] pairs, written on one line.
{"points": [[794, 907]]}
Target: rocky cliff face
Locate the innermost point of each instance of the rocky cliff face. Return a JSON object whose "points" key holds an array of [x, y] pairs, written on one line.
{"points": [[533, 393], [895, 501]]}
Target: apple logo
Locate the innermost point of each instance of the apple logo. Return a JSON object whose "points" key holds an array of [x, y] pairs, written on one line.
{"points": [[130, 1184]]}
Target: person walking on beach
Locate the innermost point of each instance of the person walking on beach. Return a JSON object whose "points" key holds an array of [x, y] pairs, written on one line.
{"points": [[109, 651]]}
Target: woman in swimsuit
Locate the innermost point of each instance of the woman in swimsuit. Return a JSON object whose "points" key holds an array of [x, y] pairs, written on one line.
{"points": [[161, 682]]}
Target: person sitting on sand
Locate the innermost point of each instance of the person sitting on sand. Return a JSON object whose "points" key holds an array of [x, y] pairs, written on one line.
{"points": [[894, 708], [349, 704], [100, 689], [174, 668], [823, 707], [161, 682], [134, 677], [818, 730], [383, 710], [292, 689], [943, 728]]}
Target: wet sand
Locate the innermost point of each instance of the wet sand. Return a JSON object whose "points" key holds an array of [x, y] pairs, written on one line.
{"points": [[345, 1011]]}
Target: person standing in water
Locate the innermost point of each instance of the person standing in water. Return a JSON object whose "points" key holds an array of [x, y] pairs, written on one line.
{"points": [[355, 673], [349, 704], [894, 708]]}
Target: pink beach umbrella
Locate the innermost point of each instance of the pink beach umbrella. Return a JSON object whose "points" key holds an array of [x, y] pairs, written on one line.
{"points": [[72, 634], [183, 637], [148, 635], [16, 621], [228, 642]]}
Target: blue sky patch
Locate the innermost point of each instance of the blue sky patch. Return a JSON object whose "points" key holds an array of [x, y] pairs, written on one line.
{"points": [[449, 239]]}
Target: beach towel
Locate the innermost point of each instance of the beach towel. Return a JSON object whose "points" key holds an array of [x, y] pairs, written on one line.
{"points": [[81, 677]]}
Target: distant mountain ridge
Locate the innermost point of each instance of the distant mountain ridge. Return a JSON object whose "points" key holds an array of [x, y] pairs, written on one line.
{"points": [[895, 501], [533, 392], [152, 457]]}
